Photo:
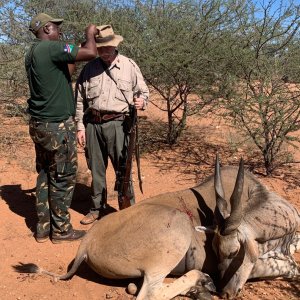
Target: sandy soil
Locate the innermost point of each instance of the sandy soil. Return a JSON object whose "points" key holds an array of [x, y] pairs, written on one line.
{"points": [[163, 169]]}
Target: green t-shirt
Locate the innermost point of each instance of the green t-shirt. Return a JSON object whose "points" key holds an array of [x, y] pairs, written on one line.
{"points": [[51, 93]]}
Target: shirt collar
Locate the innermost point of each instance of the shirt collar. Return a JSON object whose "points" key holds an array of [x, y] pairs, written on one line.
{"points": [[116, 62]]}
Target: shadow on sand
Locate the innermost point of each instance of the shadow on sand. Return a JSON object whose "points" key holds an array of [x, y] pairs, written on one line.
{"points": [[85, 272], [22, 202]]}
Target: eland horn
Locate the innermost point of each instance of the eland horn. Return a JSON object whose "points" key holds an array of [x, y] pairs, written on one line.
{"points": [[236, 214], [220, 201]]}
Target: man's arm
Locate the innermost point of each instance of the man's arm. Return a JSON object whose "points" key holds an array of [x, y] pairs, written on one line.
{"points": [[141, 91], [80, 98], [71, 68], [88, 50]]}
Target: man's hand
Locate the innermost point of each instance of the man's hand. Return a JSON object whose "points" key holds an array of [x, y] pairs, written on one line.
{"points": [[91, 30], [81, 137], [88, 49], [138, 103]]}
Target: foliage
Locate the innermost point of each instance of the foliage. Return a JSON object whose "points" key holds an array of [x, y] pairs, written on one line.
{"points": [[13, 83], [177, 47], [12, 74], [238, 57], [261, 102]]}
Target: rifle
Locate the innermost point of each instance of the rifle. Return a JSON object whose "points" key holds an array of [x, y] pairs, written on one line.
{"points": [[137, 155], [125, 202], [133, 137]]}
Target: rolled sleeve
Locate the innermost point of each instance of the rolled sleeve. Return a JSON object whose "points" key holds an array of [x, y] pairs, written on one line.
{"points": [[141, 87], [79, 91]]}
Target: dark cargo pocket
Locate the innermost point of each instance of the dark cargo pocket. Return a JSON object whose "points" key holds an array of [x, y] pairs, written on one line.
{"points": [[66, 155], [42, 137], [65, 169]]}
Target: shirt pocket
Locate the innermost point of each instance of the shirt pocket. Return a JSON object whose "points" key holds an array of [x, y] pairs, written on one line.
{"points": [[93, 89], [124, 92]]}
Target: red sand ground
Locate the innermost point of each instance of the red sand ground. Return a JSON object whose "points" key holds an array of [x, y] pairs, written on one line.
{"points": [[163, 170]]}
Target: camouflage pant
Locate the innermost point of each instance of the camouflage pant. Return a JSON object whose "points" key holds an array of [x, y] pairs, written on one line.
{"points": [[56, 164]]}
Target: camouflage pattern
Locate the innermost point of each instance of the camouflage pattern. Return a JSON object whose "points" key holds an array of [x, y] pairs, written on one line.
{"points": [[56, 164]]}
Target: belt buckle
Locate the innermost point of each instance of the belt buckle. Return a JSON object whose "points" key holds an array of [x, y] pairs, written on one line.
{"points": [[105, 117]]}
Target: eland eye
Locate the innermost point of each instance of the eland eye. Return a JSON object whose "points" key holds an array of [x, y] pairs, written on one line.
{"points": [[233, 254]]}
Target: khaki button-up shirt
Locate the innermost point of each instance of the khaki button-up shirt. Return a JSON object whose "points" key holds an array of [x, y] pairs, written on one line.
{"points": [[110, 90]]}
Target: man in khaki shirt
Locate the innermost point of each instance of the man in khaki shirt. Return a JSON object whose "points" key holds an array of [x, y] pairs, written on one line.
{"points": [[105, 88]]}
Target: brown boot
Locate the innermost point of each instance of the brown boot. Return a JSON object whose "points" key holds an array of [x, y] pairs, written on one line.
{"points": [[95, 215], [90, 217], [73, 235]]}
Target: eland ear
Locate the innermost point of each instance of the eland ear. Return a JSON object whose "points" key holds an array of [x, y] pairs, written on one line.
{"points": [[207, 229], [251, 249]]}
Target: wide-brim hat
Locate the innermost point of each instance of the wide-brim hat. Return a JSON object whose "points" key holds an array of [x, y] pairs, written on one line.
{"points": [[107, 37], [41, 20]]}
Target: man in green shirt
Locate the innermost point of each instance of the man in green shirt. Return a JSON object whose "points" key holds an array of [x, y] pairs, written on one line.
{"points": [[49, 64]]}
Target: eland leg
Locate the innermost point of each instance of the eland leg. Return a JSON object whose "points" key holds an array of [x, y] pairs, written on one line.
{"points": [[295, 244], [275, 264], [194, 284], [151, 284]]}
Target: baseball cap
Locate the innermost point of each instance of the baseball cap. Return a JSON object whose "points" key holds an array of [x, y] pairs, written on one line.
{"points": [[41, 20]]}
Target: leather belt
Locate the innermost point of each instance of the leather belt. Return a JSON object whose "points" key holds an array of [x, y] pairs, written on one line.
{"points": [[96, 116]]}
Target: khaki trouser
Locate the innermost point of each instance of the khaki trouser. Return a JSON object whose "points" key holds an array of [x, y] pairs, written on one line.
{"points": [[103, 141]]}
